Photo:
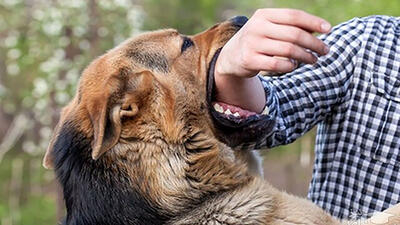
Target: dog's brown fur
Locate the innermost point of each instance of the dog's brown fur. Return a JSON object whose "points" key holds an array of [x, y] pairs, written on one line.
{"points": [[143, 120]]}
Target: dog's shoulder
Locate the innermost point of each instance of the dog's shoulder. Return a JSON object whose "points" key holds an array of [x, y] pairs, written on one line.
{"points": [[251, 203]]}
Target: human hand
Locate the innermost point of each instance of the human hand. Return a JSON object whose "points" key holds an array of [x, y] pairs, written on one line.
{"points": [[269, 39]]}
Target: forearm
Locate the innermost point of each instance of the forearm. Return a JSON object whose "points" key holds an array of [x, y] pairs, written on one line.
{"points": [[247, 93]]}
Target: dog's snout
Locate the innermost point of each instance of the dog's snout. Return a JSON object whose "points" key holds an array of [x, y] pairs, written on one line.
{"points": [[239, 20]]}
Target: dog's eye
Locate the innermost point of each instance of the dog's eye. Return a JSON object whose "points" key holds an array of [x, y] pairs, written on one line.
{"points": [[186, 44]]}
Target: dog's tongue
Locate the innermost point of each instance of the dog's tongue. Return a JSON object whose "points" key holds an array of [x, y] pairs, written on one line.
{"points": [[227, 109]]}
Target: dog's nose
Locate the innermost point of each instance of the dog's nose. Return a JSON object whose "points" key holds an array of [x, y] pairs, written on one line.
{"points": [[239, 20]]}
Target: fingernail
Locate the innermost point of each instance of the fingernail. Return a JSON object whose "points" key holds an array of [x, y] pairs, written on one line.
{"points": [[325, 27], [294, 62], [315, 59], [326, 49]]}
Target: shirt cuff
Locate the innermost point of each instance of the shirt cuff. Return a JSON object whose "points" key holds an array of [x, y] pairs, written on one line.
{"points": [[271, 104]]}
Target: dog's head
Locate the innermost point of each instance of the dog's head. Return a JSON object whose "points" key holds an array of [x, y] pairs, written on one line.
{"points": [[151, 86]]}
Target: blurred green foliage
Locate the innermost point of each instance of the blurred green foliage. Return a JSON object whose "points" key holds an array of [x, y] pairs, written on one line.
{"points": [[336, 11], [44, 46], [190, 17]]}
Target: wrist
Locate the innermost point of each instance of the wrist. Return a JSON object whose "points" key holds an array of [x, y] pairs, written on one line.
{"points": [[244, 92]]}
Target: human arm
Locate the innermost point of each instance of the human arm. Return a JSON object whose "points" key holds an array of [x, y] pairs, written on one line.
{"points": [[300, 99]]}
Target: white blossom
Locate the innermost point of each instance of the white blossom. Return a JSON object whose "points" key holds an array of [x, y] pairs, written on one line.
{"points": [[14, 53], [62, 98], [52, 27], [84, 44], [102, 31], [11, 40], [13, 69], [40, 87], [29, 146]]}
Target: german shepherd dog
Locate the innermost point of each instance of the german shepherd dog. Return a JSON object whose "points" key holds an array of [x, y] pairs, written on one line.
{"points": [[138, 143]]}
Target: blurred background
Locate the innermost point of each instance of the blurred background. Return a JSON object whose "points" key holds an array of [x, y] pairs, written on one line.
{"points": [[44, 46]]}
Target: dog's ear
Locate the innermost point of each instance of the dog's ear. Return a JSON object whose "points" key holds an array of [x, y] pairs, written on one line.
{"points": [[105, 112], [106, 129], [106, 125], [107, 122]]}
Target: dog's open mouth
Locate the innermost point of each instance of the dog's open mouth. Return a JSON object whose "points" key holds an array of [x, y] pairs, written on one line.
{"points": [[230, 110], [235, 125], [228, 115], [234, 113]]}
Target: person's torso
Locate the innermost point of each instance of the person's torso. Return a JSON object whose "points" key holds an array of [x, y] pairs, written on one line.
{"points": [[357, 165]]}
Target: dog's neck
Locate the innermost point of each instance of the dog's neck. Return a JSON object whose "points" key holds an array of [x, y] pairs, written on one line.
{"points": [[133, 182], [176, 175]]}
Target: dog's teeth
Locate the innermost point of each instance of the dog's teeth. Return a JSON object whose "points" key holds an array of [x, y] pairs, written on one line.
{"points": [[266, 111], [236, 114], [218, 108], [228, 112]]}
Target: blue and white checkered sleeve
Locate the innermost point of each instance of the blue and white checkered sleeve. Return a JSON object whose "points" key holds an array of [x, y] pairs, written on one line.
{"points": [[297, 101]]}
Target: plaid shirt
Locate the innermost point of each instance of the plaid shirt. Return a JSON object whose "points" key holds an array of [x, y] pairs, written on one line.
{"points": [[353, 95]]}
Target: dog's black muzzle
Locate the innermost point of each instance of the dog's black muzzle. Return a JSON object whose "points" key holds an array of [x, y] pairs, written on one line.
{"points": [[239, 21]]}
